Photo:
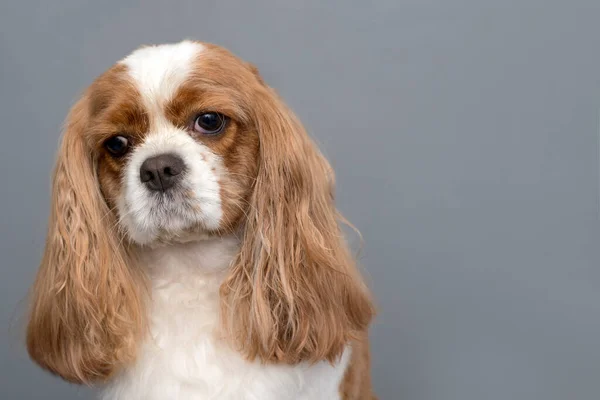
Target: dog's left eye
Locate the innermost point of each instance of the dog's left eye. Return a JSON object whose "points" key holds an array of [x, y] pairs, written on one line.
{"points": [[210, 123], [117, 145]]}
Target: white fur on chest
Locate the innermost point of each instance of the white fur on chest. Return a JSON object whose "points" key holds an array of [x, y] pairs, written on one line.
{"points": [[183, 358]]}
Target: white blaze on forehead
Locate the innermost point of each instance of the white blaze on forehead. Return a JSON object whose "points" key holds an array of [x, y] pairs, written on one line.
{"points": [[158, 71]]}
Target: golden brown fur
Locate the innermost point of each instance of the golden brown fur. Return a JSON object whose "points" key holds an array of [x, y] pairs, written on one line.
{"points": [[86, 312], [356, 384], [293, 293]]}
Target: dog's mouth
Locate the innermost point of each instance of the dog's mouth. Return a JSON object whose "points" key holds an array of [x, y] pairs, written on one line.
{"points": [[174, 216]]}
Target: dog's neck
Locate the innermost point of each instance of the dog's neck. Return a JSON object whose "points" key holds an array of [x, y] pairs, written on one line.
{"points": [[202, 258], [184, 280], [185, 276]]}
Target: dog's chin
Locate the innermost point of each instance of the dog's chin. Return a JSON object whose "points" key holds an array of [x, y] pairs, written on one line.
{"points": [[175, 232], [166, 238], [187, 236]]}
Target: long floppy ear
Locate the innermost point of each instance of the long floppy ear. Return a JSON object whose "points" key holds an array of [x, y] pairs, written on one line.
{"points": [[294, 293], [86, 310]]}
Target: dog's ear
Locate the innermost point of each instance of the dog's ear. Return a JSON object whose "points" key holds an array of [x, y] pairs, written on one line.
{"points": [[86, 310], [294, 293]]}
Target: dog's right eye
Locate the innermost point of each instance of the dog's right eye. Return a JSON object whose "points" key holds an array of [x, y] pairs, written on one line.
{"points": [[117, 145]]}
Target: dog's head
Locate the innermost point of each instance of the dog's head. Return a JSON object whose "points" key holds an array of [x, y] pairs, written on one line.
{"points": [[178, 143]]}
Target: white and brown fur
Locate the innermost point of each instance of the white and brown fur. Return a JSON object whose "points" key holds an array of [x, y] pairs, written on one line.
{"points": [[238, 285]]}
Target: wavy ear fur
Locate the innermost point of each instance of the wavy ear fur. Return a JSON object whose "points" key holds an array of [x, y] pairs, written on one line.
{"points": [[294, 293], [86, 310]]}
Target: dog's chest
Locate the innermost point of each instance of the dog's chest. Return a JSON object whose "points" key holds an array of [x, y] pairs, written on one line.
{"points": [[183, 358]]}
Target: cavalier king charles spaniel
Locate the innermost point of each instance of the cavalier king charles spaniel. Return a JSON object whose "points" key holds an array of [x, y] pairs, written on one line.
{"points": [[193, 249]]}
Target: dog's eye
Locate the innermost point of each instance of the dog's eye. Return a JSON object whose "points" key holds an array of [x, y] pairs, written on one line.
{"points": [[117, 145], [210, 123]]}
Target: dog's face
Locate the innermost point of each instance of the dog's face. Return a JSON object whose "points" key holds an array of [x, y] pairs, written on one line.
{"points": [[177, 151]]}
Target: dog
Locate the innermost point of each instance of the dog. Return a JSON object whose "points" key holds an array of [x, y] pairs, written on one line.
{"points": [[194, 248]]}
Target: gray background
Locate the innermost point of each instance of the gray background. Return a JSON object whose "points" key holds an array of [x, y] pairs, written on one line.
{"points": [[465, 138]]}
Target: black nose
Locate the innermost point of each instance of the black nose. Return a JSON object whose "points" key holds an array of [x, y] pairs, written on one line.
{"points": [[161, 172]]}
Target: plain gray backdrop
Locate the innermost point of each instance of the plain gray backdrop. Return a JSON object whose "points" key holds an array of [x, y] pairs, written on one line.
{"points": [[465, 138]]}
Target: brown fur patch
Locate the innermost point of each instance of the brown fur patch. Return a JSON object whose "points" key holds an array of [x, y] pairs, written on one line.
{"points": [[214, 89], [115, 109]]}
